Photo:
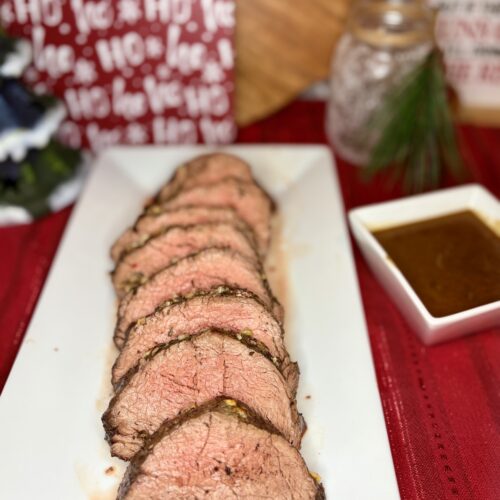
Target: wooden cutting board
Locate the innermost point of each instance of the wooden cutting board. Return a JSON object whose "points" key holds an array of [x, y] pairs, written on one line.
{"points": [[282, 47]]}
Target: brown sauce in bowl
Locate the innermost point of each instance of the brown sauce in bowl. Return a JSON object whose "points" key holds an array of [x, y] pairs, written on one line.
{"points": [[452, 262]]}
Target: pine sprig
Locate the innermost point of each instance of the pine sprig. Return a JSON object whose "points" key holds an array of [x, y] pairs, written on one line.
{"points": [[418, 138]]}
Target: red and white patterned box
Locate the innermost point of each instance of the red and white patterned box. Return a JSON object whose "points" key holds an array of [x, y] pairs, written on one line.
{"points": [[132, 71]]}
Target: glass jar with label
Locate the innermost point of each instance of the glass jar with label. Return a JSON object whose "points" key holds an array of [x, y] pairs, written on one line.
{"points": [[383, 42]]}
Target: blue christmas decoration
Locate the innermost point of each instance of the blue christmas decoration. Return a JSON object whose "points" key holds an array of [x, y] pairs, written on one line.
{"points": [[32, 165]]}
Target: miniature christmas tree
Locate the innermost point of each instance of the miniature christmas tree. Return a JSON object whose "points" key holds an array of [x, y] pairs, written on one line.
{"points": [[32, 164]]}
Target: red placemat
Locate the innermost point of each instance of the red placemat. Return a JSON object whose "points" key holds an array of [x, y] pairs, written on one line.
{"points": [[441, 404], [26, 253]]}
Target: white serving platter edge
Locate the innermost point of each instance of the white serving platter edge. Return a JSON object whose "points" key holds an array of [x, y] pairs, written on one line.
{"points": [[52, 442]]}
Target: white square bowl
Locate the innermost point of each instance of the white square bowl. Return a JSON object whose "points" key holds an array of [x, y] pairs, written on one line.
{"points": [[369, 218]]}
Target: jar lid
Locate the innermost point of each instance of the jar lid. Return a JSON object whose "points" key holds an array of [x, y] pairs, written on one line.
{"points": [[392, 24]]}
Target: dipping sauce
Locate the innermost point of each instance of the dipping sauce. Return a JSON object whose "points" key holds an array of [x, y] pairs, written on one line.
{"points": [[452, 262]]}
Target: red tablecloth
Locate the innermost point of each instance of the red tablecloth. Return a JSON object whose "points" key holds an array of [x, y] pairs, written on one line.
{"points": [[441, 404]]}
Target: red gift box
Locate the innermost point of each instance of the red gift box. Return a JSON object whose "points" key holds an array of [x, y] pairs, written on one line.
{"points": [[132, 71]]}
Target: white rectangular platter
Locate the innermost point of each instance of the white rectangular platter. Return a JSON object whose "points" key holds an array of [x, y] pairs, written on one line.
{"points": [[52, 443]]}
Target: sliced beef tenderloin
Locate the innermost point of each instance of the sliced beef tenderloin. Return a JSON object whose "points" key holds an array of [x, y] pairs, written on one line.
{"points": [[205, 169], [219, 450], [190, 372], [154, 222], [209, 268], [174, 243], [250, 202], [222, 308]]}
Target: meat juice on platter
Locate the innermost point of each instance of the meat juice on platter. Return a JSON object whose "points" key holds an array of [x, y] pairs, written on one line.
{"points": [[204, 402]]}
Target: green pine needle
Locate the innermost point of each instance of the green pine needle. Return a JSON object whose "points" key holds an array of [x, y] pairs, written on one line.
{"points": [[418, 137], [40, 175]]}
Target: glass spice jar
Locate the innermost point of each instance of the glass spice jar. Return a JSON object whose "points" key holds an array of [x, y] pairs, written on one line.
{"points": [[383, 42]]}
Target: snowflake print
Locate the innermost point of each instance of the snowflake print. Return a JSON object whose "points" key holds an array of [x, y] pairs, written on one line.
{"points": [[206, 37], [154, 47], [31, 74], [136, 133], [129, 11], [212, 72], [40, 88], [163, 72], [85, 72]]}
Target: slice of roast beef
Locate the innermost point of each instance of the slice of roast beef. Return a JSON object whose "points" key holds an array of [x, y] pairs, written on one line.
{"points": [[174, 243], [152, 223], [219, 451], [250, 202], [190, 372], [206, 169], [209, 268], [222, 308]]}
